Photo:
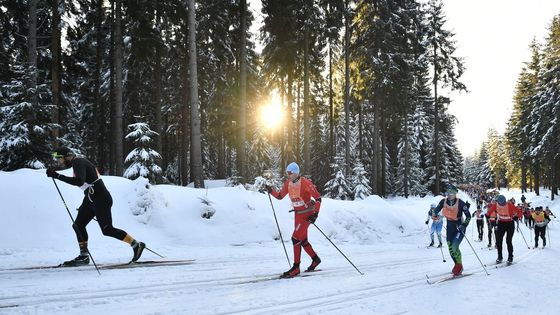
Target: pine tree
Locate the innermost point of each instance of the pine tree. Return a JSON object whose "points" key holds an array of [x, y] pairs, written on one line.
{"points": [[360, 182], [337, 187], [25, 126], [143, 160]]}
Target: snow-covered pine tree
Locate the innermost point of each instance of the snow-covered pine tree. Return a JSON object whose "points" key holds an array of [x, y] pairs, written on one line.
{"points": [[360, 182], [338, 187], [143, 160], [410, 175], [25, 127]]}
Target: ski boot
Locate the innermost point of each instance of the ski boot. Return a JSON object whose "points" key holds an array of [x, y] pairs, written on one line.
{"points": [[294, 271], [499, 260], [81, 260], [316, 261], [431, 244], [510, 260], [439, 246], [137, 249], [457, 269]]}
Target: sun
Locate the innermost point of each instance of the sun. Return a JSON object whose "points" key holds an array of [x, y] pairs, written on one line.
{"points": [[271, 113]]}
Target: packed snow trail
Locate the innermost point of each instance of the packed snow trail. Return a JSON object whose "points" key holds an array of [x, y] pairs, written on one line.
{"points": [[385, 239]]}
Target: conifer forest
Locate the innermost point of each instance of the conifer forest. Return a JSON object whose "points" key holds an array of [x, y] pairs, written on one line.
{"points": [[181, 91]]}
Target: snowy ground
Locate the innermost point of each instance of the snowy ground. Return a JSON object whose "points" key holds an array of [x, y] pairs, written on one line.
{"points": [[386, 240]]}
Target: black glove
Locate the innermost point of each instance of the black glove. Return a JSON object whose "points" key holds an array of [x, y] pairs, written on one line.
{"points": [[461, 228], [268, 188], [52, 173], [515, 219], [311, 219], [427, 221]]}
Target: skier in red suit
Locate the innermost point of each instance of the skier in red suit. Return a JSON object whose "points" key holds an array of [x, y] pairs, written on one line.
{"points": [[301, 191]]}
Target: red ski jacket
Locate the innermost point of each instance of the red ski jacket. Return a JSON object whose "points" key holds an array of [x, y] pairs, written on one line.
{"points": [[300, 192]]}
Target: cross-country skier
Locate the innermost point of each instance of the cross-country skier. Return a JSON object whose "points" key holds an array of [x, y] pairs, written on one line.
{"points": [[541, 219], [300, 190], [97, 203], [491, 221], [453, 209], [437, 224], [479, 222], [506, 213]]}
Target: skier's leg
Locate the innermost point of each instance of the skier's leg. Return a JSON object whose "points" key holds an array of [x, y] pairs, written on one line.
{"points": [[85, 215], [102, 206], [510, 229], [499, 239]]}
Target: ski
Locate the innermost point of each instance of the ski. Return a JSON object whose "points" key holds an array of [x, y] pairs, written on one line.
{"points": [[269, 278], [447, 278], [145, 263]]}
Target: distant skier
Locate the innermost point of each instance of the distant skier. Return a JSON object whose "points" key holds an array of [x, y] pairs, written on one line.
{"points": [[300, 190], [506, 213], [453, 209], [437, 224], [523, 198], [491, 220], [541, 219], [97, 203], [549, 212], [479, 222]]}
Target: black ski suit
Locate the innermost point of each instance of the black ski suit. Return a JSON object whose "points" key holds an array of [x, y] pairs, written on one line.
{"points": [[97, 200]]}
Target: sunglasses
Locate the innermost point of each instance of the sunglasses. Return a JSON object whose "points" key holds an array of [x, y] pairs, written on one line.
{"points": [[57, 155]]}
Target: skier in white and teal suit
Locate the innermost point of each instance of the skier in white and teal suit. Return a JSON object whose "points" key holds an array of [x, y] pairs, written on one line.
{"points": [[437, 224], [453, 209]]}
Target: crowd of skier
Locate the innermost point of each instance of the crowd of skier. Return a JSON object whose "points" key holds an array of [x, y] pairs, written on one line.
{"points": [[502, 218]]}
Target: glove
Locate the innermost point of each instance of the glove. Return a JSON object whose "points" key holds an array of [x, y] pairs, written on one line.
{"points": [[515, 219], [268, 188], [461, 228], [311, 219], [427, 221], [52, 173]]}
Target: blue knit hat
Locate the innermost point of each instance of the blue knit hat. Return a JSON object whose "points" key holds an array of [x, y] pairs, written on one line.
{"points": [[293, 168]]}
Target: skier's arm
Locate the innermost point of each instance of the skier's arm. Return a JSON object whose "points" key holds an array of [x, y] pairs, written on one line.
{"points": [[315, 194], [437, 210], [79, 174], [282, 193], [464, 206]]}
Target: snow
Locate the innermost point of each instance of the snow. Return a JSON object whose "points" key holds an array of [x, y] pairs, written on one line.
{"points": [[385, 238]]}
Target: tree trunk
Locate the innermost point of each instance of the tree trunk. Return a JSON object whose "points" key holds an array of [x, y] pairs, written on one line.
{"points": [[185, 130], [437, 188], [32, 50], [56, 68], [347, 91], [306, 97], [406, 176], [297, 141], [99, 104], [376, 152], [523, 176], [112, 164], [537, 175], [289, 122], [118, 133], [242, 154], [196, 150], [158, 84], [331, 108]]}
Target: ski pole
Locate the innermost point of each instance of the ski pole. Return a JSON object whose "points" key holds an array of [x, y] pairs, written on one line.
{"points": [[548, 235], [338, 249], [520, 231], [443, 257], [74, 223], [484, 267], [279, 232], [153, 252]]}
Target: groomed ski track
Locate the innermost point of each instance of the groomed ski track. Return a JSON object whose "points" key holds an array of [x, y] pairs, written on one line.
{"points": [[242, 283]]}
